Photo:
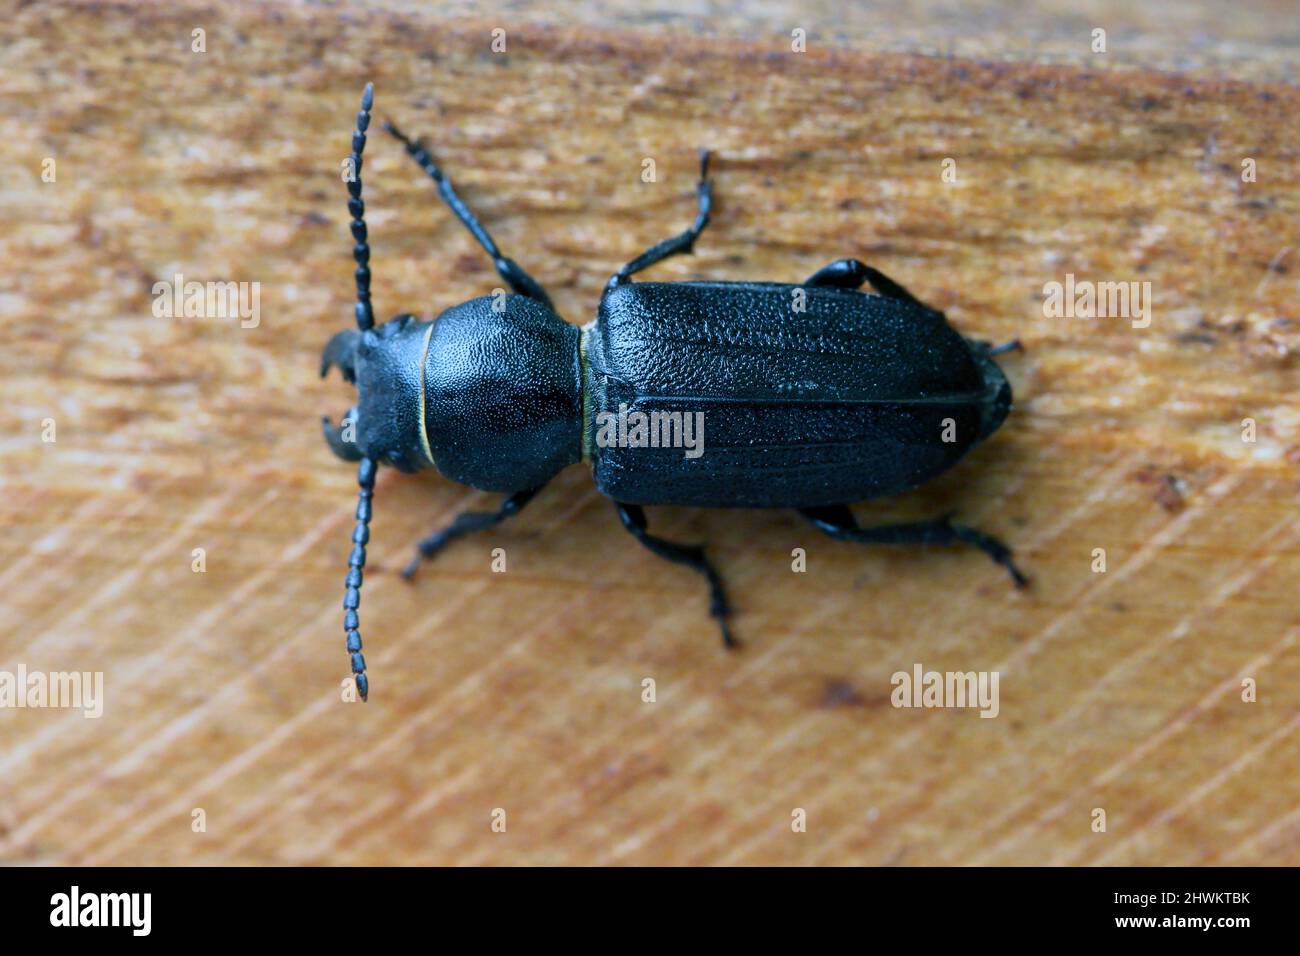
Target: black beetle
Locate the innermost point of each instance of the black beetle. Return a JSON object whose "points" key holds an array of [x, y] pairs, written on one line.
{"points": [[815, 395]]}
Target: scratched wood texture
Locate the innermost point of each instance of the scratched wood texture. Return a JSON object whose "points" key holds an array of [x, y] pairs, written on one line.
{"points": [[523, 691]]}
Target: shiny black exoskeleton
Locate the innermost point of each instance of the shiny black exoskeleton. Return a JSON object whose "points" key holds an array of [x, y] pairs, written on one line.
{"points": [[717, 394]]}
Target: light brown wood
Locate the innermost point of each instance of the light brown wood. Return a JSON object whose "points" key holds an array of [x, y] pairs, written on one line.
{"points": [[1120, 690]]}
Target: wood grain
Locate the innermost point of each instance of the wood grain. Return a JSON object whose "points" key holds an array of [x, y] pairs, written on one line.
{"points": [[1119, 690]]}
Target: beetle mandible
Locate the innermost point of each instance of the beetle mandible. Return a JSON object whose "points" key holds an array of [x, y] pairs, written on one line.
{"points": [[853, 396]]}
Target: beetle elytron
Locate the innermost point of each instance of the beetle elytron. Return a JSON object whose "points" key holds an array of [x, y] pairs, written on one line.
{"points": [[852, 396]]}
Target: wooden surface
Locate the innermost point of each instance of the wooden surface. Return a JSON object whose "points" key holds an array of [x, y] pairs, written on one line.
{"points": [[523, 691]]}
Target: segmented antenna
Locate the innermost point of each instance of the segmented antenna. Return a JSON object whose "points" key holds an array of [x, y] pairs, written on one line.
{"points": [[361, 251], [356, 566], [366, 470]]}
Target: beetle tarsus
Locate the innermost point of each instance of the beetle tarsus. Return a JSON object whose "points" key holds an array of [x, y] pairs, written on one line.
{"points": [[682, 242], [467, 522], [719, 609], [838, 522], [994, 548], [691, 556], [512, 272]]}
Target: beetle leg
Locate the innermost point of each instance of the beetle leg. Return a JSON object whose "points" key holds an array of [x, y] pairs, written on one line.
{"points": [[682, 242], [633, 518], [851, 274], [465, 523], [1012, 346], [838, 522], [509, 270]]}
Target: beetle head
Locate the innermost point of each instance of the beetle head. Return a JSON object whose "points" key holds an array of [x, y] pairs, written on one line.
{"points": [[386, 364]]}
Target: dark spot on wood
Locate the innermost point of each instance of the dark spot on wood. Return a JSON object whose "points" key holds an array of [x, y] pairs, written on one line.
{"points": [[1169, 488], [88, 233], [1169, 494], [837, 692], [466, 264]]}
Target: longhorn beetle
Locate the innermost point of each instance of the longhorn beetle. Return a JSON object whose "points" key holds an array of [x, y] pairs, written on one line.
{"points": [[814, 395]]}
